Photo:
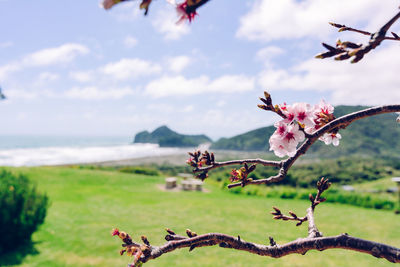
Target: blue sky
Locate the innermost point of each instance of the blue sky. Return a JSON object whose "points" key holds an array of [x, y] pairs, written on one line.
{"points": [[72, 68]]}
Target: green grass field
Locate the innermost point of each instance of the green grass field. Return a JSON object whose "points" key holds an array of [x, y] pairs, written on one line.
{"points": [[87, 204]]}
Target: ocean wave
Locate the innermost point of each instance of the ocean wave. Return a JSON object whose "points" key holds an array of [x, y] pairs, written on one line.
{"points": [[72, 155]]}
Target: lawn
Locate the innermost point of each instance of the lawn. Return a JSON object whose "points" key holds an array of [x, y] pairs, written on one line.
{"points": [[87, 204]]}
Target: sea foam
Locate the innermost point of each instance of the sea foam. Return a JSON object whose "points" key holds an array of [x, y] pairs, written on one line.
{"points": [[72, 154]]}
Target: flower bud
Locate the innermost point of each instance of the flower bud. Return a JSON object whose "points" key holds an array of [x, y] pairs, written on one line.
{"points": [[131, 251], [114, 232], [122, 235]]}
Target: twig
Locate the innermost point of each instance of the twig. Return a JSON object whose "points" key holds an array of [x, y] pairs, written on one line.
{"points": [[241, 162], [322, 185], [346, 50], [343, 28], [293, 217]]}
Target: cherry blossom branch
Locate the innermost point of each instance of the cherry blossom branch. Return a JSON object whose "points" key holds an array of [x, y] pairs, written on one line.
{"points": [[188, 8], [326, 122], [192, 8], [346, 50], [339, 123], [300, 246], [314, 241]]}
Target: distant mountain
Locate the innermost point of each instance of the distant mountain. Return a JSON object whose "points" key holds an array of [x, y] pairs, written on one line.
{"points": [[375, 136], [165, 137]]}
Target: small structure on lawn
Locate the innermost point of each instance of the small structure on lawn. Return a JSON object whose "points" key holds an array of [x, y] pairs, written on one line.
{"points": [[170, 183], [348, 188], [192, 185], [397, 180], [198, 185], [188, 183], [185, 176]]}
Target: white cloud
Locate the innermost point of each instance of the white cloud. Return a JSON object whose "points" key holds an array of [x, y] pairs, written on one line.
{"points": [[89, 115], [95, 93], [160, 107], [5, 70], [220, 103], [6, 44], [128, 68], [21, 94], [130, 41], [177, 64], [45, 77], [287, 19], [188, 108], [82, 76], [179, 85], [232, 83], [165, 23], [45, 57], [52, 56], [266, 54], [371, 81], [126, 12], [163, 108], [29, 93], [176, 85]]}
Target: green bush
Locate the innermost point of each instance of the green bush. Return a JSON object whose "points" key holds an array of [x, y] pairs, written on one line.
{"points": [[22, 210], [139, 170], [333, 195]]}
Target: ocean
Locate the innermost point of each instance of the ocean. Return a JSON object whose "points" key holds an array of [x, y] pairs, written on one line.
{"points": [[57, 150]]}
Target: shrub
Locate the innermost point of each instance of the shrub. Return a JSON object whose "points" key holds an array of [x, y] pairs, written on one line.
{"points": [[139, 170], [334, 195], [22, 210]]}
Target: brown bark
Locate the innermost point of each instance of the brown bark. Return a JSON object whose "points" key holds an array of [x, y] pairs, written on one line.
{"points": [[299, 246]]}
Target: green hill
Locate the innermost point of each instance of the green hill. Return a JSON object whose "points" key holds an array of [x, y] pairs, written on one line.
{"points": [[256, 140], [165, 137], [375, 136]]}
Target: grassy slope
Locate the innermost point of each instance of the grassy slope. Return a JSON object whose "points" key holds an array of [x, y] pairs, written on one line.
{"points": [[86, 204], [381, 185]]}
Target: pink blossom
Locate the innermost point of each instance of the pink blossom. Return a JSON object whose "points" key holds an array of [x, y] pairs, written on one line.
{"points": [[115, 231], [280, 147], [293, 134], [288, 112], [324, 107], [283, 107], [191, 162], [331, 138], [322, 114], [183, 14], [281, 128], [288, 134], [285, 144], [301, 112]]}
